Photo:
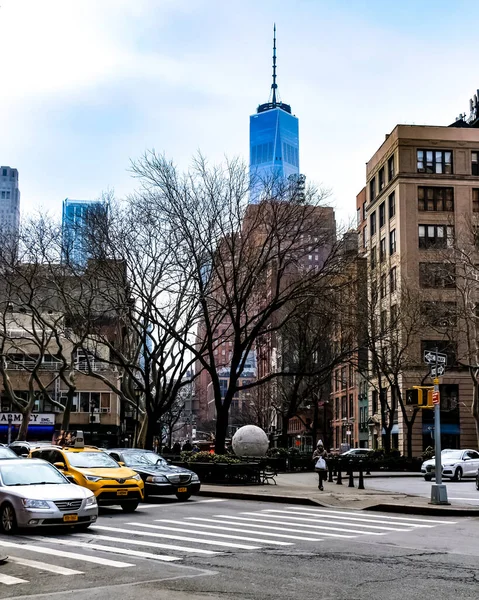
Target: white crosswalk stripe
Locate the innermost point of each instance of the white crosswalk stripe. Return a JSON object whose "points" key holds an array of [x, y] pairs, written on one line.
{"points": [[9, 580], [149, 544], [41, 566], [385, 518]]}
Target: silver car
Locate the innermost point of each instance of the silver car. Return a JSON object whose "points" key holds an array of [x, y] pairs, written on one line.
{"points": [[34, 493]]}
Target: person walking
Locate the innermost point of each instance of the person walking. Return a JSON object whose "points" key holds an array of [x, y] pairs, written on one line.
{"points": [[320, 466]]}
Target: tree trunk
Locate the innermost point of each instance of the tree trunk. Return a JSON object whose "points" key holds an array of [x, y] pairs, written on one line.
{"points": [[150, 434], [387, 438], [221, 430], [475, 405], [23, 429], [67, 411], [283, 438]]}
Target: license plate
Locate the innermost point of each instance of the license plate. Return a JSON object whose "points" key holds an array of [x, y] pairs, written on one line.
{"points": [[122, 493], [70, 518], [182, 490]]}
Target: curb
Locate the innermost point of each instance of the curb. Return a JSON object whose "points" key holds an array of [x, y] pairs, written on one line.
{"points": [[406, 509]]}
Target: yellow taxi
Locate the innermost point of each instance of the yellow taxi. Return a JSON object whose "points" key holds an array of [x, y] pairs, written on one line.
{"points": [[96, 470]]}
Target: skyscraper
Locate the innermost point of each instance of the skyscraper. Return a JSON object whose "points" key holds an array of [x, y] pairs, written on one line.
{"points": [[78, 218], [9, 200], [274, 141]]}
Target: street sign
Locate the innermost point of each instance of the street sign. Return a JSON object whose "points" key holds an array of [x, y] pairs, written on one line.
{"points": [[437, 370], [431, 358]]}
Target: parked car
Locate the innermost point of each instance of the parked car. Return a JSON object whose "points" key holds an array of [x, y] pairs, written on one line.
{"points": [[33, 493], [96, 470], [358, 453], [5, 452], [456, 464], [160, 477]]}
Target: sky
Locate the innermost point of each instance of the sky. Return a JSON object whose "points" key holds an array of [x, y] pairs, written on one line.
{"points": [[89, 85]]}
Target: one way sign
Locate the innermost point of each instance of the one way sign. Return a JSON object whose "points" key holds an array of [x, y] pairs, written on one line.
{"points": [[437, 370], [431, 358]]}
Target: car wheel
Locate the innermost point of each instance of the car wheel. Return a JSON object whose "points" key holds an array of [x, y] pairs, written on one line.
{"points": [[477, 483], [183, 496], [457, 474], [129, 507], [8, 520], [427, 477]]}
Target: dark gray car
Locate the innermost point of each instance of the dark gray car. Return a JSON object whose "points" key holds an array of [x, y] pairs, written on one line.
{"points": [[160, 477]]}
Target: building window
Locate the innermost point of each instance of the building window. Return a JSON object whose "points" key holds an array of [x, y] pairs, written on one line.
{"points": [[364, 211], [336, 381], [435, 236], [439, 314], [382, 250], [392, 205], [344, 381], [373, 257], [475, 163], [392, 241], [372, 223], [351, 406], [391, 168], [392, 280], [351, 376], [374, 399], [434, 161], [382, 215], [435, 198], [358, 217], [394, 315], [372, 190], [382, 181], [384, 320], [383, 286], [8, 195], [365, 236], [437, 275], [3, 195], [4, 172], [475, 200], [344, 407], [336, 408]]}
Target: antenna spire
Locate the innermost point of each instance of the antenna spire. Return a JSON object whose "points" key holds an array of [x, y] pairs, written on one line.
{"points": [[274, 85]]}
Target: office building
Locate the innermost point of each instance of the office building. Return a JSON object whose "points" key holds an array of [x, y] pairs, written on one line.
{"points": [[79, 219], [9, 200], [274, 142]]}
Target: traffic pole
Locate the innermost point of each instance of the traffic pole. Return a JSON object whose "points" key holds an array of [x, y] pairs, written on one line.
{"points": [[438, 489]]}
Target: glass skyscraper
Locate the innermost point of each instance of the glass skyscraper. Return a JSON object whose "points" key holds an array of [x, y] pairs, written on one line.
{"points": [[79, 218], [274, 142]]}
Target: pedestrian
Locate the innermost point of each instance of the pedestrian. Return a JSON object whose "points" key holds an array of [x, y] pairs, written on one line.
{"points": [[187, 447], [176, 448], [320, 466]]}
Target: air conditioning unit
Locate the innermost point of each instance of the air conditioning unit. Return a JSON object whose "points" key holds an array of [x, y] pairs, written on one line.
{"points": [[94, 418], [104, 410]]}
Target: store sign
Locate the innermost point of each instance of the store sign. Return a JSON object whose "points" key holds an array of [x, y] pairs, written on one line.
{"points": [[35, 419]]}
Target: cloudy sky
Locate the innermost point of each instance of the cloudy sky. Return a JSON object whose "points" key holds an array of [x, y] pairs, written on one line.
{"points": [[87, 85]]}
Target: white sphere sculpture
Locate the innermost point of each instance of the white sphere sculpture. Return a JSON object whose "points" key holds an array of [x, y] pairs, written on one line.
{"points": [[250, 441]]}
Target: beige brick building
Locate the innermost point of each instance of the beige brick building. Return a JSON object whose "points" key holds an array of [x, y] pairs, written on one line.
{"points": [[422, 183]]}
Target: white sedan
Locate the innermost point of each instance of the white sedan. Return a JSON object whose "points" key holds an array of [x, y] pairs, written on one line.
{"points": [[456, 464]]}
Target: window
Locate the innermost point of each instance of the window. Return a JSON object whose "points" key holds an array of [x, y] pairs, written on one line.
{"points": [[475, 163], [435, 198], [358, 217], [351, 376], [435, 236], [382, 215], [394, 315], [336, 380], [336, 408], [3, 195], [392, 280], [373, 257], [8, 195], [392, 241], [391, 168], [344, 381], [383, 320], [372, 223], [351, 406], [365, 235], [383, 286], [382, 182], [437, 275], [392, 205], [374, 402], [382, 250], [4, 172], [344, 407], [434, 161], [475, 200], [439, 314], [372, 190]]}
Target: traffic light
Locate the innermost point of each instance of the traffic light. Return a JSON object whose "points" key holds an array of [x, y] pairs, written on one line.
{"points": [[412, 396], [419, 396]]}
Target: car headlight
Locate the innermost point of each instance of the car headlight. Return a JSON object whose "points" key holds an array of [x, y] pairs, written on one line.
{"points": [[27, 503], [137, 477], [195, 478], [156, 479], [92, 478], [91, 501]]}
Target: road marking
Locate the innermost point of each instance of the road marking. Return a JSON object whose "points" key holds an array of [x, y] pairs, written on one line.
{"points": [[42, 550], [34, 564], [288, 522], [169, 504], [253, 524], [174, 537], [137, 553], [364, 522], [469, 499], [312, 513], [211, 500], [208, 533], [9, 580], [372, 516], [110, 538]]}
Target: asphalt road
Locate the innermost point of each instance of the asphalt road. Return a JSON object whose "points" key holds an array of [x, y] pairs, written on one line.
{"points": [[212, 549], [460, 493]]}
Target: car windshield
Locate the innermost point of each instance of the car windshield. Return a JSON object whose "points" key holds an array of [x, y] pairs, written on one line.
{"points": [[143, 458], [7, 453], [452, 454], [91, 460], [34, 473]]}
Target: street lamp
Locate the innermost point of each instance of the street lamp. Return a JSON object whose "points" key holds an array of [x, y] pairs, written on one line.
{"points": [[137, 398]]}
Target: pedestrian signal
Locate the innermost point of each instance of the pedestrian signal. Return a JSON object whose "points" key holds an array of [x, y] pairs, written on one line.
{"points": [[412, 397], [420, 396]]}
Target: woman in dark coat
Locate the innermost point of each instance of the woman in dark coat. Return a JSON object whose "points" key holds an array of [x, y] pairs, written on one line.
{"points": [[320, 452]]}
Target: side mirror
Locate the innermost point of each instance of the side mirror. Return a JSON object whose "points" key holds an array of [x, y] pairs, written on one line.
{"points": [[59, 465], [24, 455], [467, 458]]}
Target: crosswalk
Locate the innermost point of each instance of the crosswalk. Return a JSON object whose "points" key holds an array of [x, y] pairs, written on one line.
{"points": [[123, 544]]}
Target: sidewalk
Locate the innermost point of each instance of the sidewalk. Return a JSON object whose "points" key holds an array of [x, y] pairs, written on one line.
{"points": [[301, 488]]}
